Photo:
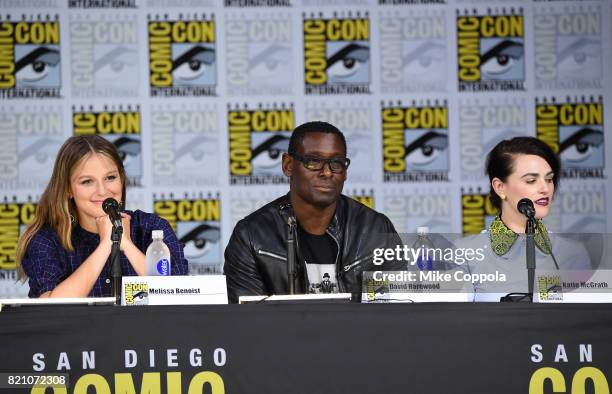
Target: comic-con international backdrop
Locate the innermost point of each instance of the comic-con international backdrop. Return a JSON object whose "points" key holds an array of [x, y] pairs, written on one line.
{"points": [[200, 97]]}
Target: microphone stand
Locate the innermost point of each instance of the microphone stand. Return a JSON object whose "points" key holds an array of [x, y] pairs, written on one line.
{"points": [[530, 253], [115, 263], [291, 254]]}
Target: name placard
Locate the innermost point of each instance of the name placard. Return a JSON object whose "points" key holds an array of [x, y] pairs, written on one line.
{"points": [[173, 290], [591, 286]]}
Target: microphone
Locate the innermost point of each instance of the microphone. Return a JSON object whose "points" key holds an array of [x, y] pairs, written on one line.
{"points": [[525, 206], [111, 207]]}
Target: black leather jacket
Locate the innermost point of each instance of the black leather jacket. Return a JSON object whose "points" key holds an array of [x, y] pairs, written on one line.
{"points": [[256, 256]]}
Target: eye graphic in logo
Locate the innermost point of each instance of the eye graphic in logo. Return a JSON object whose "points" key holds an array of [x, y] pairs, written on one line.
{"points": [[581, 147], [195, 150], [424, 60], [425, 151], [193, 65], [490, 138], [129, 151], [579, 58], [37, 66], [39, 152], [348, 63], [116, 65], [268, 154], [200, 240], [270, 64], [501, 59]]}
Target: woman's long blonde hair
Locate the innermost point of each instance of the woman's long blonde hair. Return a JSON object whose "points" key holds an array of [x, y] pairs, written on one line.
{"points": [[56, 209]]}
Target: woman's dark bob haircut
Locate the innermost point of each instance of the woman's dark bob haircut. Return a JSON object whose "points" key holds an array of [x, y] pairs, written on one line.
{"points": [[500, 161]]}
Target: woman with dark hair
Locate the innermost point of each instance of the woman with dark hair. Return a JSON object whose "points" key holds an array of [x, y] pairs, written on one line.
{"points": [[522, 167], [64, 251]]}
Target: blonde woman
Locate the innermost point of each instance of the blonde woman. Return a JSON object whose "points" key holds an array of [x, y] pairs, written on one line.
{"points": [[64, 252]]}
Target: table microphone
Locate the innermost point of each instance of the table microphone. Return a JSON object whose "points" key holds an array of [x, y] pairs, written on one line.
{"points": [[111, 207], [525, 206]]}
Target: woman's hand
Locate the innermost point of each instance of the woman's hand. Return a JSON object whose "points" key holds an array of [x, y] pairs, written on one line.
{"points": [[126, 239], [105, 228]]}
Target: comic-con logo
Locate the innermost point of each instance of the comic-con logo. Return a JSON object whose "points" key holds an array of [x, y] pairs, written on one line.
{"points": [[484, 124], [104, 57], [197, 223], [182, 57], [491, 52], [477, 211], [259, 59], [30, 141], [185, 146], [366, 197], [120, 126], [574, 129], [568, 47], [337, 55], [415, 208], [354, 118], [14, 217], [413, 52], [578, 209], [136, 293], [30, 58], [550, 287], [415, 141], [257, 140]]}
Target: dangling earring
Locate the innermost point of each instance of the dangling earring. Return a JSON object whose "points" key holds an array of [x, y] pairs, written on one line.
{"points": [[72, 219], [503, 197]]}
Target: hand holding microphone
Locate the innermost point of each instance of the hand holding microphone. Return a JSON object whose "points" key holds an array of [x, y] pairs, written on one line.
{"points": [[111, 208]]}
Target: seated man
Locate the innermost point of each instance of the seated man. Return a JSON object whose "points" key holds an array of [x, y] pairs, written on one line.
{"points": [[334, 235]]}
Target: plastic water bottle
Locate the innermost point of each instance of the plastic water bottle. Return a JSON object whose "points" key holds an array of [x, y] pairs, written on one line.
{"points": [[158, 255], [422, 244]]}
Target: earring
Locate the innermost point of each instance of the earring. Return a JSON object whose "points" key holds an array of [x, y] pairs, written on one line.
{"points": [[72, 219], [503, 197]]}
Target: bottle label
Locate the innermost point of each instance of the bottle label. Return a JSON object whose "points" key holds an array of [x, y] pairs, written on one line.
{"points": [[163, 267]]}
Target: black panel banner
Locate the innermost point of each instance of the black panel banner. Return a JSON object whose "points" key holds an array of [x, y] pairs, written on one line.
{"points": [[421, 348]]}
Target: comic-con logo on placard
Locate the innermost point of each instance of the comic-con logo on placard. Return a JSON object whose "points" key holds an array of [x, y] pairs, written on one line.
{"points": [[491, 51], [337, 54], [197, 223], [182, 56], [568, 47], [484, 123], [257, 3], [477, 211], [258, 58], [14, 217], [185, 143], [354, 119], [104, 56], [574, 129], [31, 136], [413, 51], [30, 58], [257, 140], [136, 293], [122, 127], [409, 209], [415, 141]]}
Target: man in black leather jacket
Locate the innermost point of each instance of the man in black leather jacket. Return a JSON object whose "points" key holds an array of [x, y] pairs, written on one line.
{"points": [[331, 231]]}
